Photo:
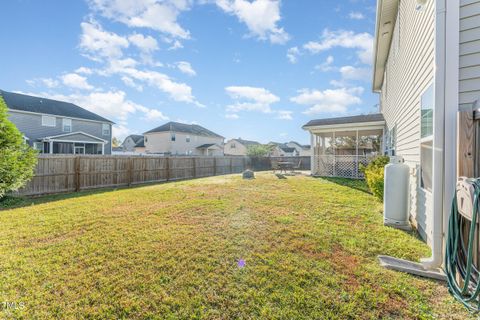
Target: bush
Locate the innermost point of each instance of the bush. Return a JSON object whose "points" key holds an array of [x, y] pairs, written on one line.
{"points": [[374, 175], [17, 159]]}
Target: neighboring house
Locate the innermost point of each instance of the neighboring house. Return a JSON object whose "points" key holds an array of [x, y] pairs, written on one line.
{"points": [[302, 150], [238, 147], [174, 138], [426, 69], [133, 143], [52, 126], [282, 150]]}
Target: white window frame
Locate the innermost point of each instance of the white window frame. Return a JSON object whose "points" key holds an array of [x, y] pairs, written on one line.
{"points": [[106, 132], [46, 124], [64, 123], [426, 139]]}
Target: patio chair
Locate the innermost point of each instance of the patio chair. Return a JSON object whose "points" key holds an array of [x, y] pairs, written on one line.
{"points": [[298, 166], [275, 166]]}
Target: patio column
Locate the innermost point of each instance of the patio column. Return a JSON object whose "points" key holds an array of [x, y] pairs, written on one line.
{"points": [[103, 148], [334, 154], [51, 147]]}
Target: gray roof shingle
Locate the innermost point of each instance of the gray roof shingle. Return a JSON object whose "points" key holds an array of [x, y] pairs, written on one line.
{"points": [[193, 129], [23, 102], [247, 142], [345, 120]]}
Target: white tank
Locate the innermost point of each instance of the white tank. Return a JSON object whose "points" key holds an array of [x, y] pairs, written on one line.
{"points": [[395, 193]]}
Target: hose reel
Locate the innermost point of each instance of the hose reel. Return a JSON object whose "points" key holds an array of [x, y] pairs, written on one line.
{"points": [[462, 245]]}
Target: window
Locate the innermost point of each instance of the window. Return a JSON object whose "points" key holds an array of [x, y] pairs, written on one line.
{"points": [[48, 121], [426, 141], [187, 139], [106, 129], [38, 146], [427, 113], [67, 125], [391, 141], [145, 139], [172, 136], [233, 146]]}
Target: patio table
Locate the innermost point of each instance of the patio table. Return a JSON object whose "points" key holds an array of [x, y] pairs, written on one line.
{"points": [[285, 165]]}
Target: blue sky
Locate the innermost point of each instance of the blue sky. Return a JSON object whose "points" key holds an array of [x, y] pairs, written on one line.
{"points": [[252, 69]]}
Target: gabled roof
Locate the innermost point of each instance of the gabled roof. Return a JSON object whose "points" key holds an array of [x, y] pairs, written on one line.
{"points": [[303, 146], [247, 142], [23, 102], [193, 129], [208, 145], [386, 18], [376, 117], [288, 149], [140, 143]]}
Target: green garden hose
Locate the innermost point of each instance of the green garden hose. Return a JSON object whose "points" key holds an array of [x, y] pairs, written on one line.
{"points": [[459, 255]]}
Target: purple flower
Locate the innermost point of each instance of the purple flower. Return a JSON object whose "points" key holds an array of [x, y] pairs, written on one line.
{"points": [[241, 263]]}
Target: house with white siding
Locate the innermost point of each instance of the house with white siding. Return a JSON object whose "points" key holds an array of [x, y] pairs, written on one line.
{"points": [[239, 146], [175, 138], [426, 69]]}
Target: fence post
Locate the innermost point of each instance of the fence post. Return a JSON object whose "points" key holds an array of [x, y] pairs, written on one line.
{"points": [[194, 167], [465, 144], [231, 165], [77, 173], [214, 166], [129, 171], [115, 172], [244, 164], [167, 168]]}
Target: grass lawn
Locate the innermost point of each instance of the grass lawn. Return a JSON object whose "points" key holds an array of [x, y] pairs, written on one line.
{"points": [[176, 250]]}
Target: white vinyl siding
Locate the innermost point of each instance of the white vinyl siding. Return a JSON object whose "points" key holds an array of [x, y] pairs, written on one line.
{"points": [[48, 121], [469, 73], [408, 75]]}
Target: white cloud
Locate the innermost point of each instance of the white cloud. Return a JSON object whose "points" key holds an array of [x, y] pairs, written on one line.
{"points": [[98, 43], [284, 115], [252, 99], [353, 73], [363, 42], [186, 67], [130, 83], [154, 114], [328, 101], [146, 44], [326, 65], [84, 70], [176, 45], [260, 16], [232, 116], [159, 15], [356, 15], [292, 54], [76, 81], [120, 131], [47, 82]]}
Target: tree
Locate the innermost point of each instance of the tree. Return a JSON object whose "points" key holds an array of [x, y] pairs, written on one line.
{"points": [[17, 159], [116, 142], [259, 150]]}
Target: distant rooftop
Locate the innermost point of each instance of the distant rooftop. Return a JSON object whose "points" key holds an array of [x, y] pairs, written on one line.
{"points": [[193, 129], [23, 102], [346, 120], [247, 142]]}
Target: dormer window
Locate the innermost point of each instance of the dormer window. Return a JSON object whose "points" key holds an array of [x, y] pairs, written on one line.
{"points": [[172, 136]]}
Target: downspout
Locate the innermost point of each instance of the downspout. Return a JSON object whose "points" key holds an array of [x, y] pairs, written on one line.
{"points": [[445, 113]]}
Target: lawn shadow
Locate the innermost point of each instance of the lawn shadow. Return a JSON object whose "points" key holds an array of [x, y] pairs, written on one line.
{"points": [[356, 184], [15, 202]]}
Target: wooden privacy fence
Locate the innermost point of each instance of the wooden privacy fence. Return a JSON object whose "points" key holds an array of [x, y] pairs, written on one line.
{"points": [[70, 173]]}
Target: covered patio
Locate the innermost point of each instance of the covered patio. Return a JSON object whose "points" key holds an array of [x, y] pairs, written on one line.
{"points": [[341, 145]]}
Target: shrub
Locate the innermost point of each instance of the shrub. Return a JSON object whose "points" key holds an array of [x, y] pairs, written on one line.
{"points": [[17, 159], [374, 175]]}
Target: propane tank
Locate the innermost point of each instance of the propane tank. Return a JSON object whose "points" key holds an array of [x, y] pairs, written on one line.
{"points": [[395, 201]]}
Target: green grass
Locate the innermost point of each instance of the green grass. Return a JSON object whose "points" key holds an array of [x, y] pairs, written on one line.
{"points": [[170, 251]]}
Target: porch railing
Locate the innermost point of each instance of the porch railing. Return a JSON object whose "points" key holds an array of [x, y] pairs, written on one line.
{"points": [[340, 166]]}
